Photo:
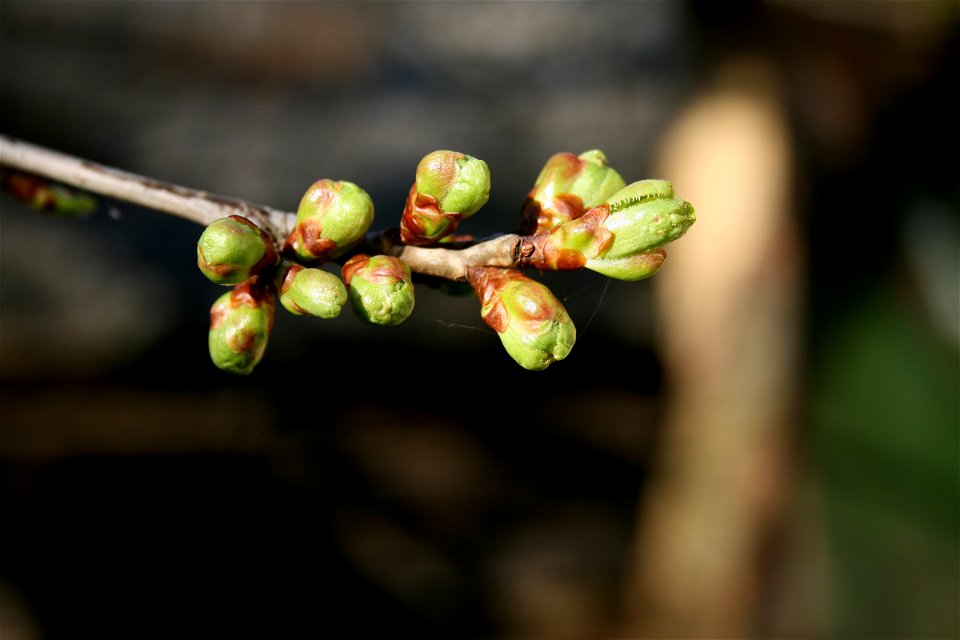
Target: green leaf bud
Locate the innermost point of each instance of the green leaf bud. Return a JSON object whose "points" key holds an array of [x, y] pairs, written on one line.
{"points": [[533, 325], [631, 268], [332, 217], [240, 324], [233, 249], [311, 292], [566, 188], [380, 288], [449, 188], [640, 222], [609, 238]]}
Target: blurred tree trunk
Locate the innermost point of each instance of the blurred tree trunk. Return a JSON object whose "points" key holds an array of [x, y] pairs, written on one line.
{"points": [[729, 312]]}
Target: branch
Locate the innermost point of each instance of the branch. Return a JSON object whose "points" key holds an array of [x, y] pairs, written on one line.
{"points": [[203, 208], [198, 206], [502, 251]]}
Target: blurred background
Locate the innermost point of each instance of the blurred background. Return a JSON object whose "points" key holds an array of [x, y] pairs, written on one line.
{"points": [[761, 441]]}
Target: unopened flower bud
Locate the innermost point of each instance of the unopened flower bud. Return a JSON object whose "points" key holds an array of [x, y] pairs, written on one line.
{"points": [[233, 249], [532, 324], [608, 239], [311, 292], [380, 288], [332, 218], [449, 187], [566, 188], [240, 323]]}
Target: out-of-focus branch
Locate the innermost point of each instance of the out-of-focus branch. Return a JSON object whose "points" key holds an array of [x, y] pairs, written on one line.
{"points": [[199, 206], [203, 208]]}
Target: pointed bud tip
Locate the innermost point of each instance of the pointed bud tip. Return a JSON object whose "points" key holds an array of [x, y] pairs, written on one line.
{"points": [[594, 156], [640, 224]]}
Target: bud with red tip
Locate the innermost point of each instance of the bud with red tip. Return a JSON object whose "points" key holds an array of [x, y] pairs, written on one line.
{"points": [[620, 238], [332, 217], [380, 288], [240, 324], [533, 325], [449, 188], [566, 188]]}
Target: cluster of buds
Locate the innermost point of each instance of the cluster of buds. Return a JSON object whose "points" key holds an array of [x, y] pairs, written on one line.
{"points": [[332, 218], [579, 214], [621, 238]]}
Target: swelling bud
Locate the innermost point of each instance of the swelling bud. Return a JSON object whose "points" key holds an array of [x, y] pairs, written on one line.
{"points": [[566, 188], [449, 188], [233, 249], [380, 288], [533, 326], [311, 292], [619, 238], [332, 217], [240, 323], [645, 216]]}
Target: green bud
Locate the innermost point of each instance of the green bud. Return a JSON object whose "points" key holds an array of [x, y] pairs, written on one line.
{"points": [[618, 238], [380, 288], [458, 182], [645, 216], [449, 188], [332, 218], [311, 292], [567, 187], [631, 268], [532, 324], [233, 249], [240, 323]]}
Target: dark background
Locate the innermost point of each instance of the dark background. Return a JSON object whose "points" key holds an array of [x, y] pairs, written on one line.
{"points": [[414, 480]]}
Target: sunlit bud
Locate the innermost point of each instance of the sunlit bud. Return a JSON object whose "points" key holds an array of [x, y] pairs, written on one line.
{"points": [[635, 267], [645, 216], [233, 249], [332, 218], [311, 292], [567, 187], [380, 288], [449, 187], [240, 323], [533, 326], [611, 237]]}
